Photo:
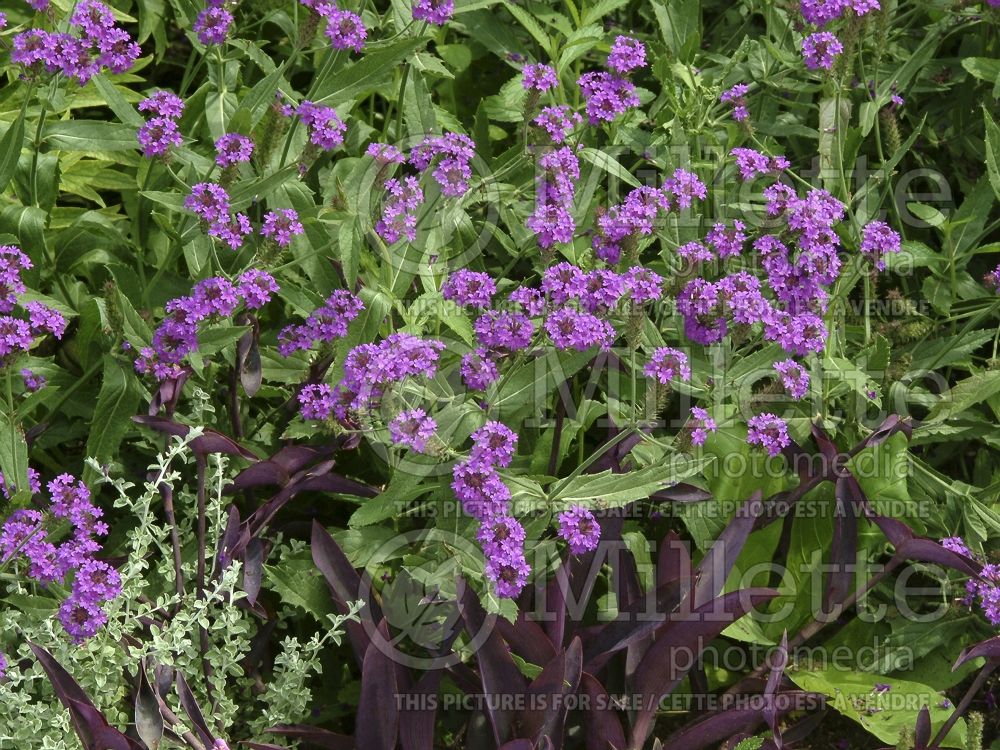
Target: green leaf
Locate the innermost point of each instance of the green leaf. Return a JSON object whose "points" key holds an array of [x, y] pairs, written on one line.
{"points": [[966, 393], [116, 405], [13, 455], [296, 582], [852, 694], [679, 22], [993, 151], [10, 149], [368, 73], [610, 490], [89, 135], [117, 103], [609, 164]]}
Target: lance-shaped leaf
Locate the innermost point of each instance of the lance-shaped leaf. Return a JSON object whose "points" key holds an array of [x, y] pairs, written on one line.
{"points": [[988, 649], [148, 721], [662, 670], [345, 585], [193, 710], [922, 732], [497, 671], [253, 569], [911, 547], [779, 662], [248, 365], [521, 744], [416, 724], [602, 727], [848, 497], [319, 479], [633, 623], [377, 725], [719, 561], [560, 678], [714, 729], [210, 441], [276, 470], [88, 722], [314, 736], [527, 639]]}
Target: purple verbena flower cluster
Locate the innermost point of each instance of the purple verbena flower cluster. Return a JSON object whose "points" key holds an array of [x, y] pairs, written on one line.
{"points": [[211, 202], [232, 149], [552, 220], [213, 22], [736, 96], [454, 152], [822, 12], [412, 429], [877, 239], [666, 364], [794, 377], [24, 539], [210, 300], [769, 432], [752, 164], [399, 211], [282, 225], [469, 288], [326, 129], [627, 54], [17, 335], [819, 50], [437, 12], [580, 530], [700, 425], [539, 77], [160, 132], [558, 121], [325, 324], [100, 44]]}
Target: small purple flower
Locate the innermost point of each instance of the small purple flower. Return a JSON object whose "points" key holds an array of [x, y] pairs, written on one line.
{"points": [[737, 97], [282, 225], [209, 201], [607, 95], [163, 104], [500, 535], [479, 370], [454, 152], [509, 572], [480, 488], [877, 239], [700, 424], [539, 77], [627, 54], [572, 329], [794, 377], [881, 688], [957, 544], [412, 429], [158, 136], [399, 217], [385, 153], [43, 319], [212, 25], [820, 49], [727, 241], [579, 528], [344, 29], [558, 121], [695, 252], [667, 364], [326, 129], [770, 432], [256, 288], [685, 187], [233, 148], [32, 381], [3, 656], [231, 229], [81, 617], [752, 163], [469, 288], [437, 12], [504, 331], [643, 285], [494, 443]]}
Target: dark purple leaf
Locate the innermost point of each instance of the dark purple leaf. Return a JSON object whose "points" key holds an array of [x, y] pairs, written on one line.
{"points": [[927, 550], [148, 721], [560, 678], [602, 727], [253, 569], [988, 649], [685, 637], [326, 482], [230, 537], [193, 710], [314, 735], [521, 744], [248, 355], [527, 639], [210, 441], [632, 624], [498, 673], [377, 723], [715, 567], [778, 664], [922, 734], [261, 474], [682, 493], [416, 722], [708, 732], [89, 724], [848, 497], [555, 605], [345, 585]]}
